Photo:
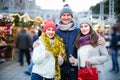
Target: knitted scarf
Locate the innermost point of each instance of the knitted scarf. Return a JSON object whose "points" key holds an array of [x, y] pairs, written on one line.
{"points": [[66, 27], [84, 40], [55, 49]]}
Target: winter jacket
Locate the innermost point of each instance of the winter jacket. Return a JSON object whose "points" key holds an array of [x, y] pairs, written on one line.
{"points": [[69, 38], [44, 67], [98, 55], [23, 41]]}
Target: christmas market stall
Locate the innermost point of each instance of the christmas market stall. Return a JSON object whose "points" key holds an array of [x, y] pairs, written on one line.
{"points": [[24, 21], [6, 39], [10, 27]]}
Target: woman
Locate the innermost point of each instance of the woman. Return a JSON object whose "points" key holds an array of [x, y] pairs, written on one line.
{"points": [[48, 54], [89, 52]]}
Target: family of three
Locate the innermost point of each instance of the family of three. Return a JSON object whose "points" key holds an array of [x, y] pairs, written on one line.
{"points": [[55, 52]]}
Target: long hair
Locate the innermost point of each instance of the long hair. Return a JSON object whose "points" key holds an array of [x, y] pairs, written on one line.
{"points": [[93, 38]]}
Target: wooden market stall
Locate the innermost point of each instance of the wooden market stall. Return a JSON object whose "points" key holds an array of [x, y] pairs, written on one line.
{"points": [[6, 46], [10, 27]]}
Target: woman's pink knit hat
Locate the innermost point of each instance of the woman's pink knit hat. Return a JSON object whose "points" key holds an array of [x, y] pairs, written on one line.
{"points": [[49, 24]]}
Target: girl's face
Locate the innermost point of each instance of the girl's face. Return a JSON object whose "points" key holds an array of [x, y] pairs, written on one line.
{"points": [[85, 28], [66, 18], [50, 32]]}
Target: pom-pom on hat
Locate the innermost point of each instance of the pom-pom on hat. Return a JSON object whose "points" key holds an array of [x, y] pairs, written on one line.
{"points": [[85, 20], [66, 9], [49, 24]]}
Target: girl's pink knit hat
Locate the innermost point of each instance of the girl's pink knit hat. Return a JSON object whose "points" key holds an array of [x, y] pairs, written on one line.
{"points": [[49, 24]]}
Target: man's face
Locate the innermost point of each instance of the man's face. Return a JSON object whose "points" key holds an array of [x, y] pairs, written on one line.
{"points": [[66, 18]]}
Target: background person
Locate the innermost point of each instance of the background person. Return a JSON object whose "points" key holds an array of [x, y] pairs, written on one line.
{"points": [[23, 44], [114, 50]]}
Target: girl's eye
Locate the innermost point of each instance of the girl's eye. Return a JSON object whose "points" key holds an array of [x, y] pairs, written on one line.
{"points": [[81, 26], [48, 29], [53, 30]]}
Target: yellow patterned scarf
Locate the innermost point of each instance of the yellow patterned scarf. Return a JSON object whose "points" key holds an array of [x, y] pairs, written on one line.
{"points": [[55, 49]]}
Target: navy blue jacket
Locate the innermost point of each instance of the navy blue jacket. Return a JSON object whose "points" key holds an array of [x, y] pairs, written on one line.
{"points": [[69, 38], [114, 41]]}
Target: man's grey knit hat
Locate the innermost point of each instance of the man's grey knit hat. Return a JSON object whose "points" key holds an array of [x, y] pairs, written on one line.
{"points": [[66, 9]]}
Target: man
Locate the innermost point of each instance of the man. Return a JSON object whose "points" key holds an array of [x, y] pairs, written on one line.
{"points": [[23, 44]]}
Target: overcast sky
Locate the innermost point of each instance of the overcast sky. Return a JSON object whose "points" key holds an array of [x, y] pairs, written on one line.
{"points": [[76, 5]]}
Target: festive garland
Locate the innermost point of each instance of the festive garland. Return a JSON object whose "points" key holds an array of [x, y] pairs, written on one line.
{"points": [[25, 20], [57, 47]]}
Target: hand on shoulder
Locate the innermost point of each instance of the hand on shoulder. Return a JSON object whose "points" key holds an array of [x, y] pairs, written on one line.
{"points": [[101, 41], [36, 43]]}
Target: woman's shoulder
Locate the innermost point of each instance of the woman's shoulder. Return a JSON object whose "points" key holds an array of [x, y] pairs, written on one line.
{"points": [[101, 47]]}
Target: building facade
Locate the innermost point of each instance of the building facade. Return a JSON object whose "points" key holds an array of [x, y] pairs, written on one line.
{"points": [[30, 7]]}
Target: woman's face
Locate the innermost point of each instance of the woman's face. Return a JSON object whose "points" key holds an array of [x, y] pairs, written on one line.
{"points": [[66, 18], [85, 28], [50, 32]]}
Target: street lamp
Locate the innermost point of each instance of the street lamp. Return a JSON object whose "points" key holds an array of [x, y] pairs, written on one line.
{"points": [[102, 17], [63, 0], [111, 11], [102, 14], [111, 15]]}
